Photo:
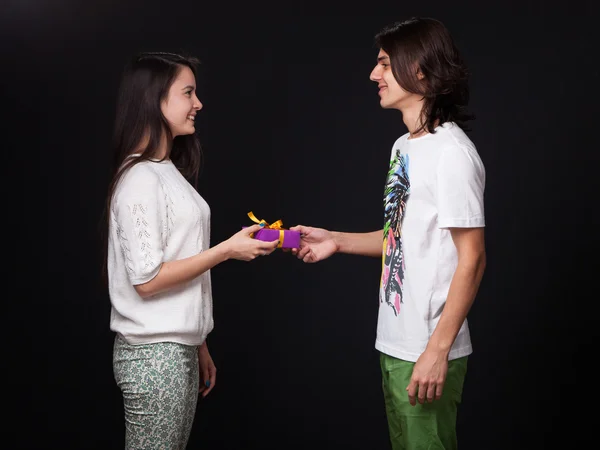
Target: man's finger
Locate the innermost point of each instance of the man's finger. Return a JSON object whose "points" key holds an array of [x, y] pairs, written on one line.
{"points": [[438, 391], [412, 393], [303, 252], [422, 393], [309, 257], [300, 228], [431, 392]]}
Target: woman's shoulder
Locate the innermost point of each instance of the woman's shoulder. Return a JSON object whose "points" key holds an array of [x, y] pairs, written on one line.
{"points": [[142, 178]]}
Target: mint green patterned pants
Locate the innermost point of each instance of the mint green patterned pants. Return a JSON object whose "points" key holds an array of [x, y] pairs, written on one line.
{"points": [[159, 383]]}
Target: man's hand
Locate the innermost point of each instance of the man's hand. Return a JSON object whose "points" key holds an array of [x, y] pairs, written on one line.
{"points": [[428, 377], [316, 244]]}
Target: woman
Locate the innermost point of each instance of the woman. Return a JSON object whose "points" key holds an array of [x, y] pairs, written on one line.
{"points": [[158, 253]]}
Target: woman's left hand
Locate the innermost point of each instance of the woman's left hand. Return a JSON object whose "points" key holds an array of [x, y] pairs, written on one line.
{"points": [[208, 371]]}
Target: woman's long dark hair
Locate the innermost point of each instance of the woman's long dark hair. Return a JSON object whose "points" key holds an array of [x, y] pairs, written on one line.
{"points": [[145, 83], [425, 45]]}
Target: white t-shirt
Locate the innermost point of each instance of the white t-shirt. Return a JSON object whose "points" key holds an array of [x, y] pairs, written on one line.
{"points": [[435, 182], [157, 216]]}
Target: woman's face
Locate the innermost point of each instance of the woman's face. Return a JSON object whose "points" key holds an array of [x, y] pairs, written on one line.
{"points": [[181, 104]]}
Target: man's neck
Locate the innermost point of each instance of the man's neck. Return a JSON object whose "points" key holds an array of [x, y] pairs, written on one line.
{"points": [[412, 118]]}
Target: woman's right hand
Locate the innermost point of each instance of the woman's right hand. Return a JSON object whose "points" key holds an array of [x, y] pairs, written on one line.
{"points": [[243, 247]]}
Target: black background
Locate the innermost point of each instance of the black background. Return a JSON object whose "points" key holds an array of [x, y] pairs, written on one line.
{"points": [[292, 129]]}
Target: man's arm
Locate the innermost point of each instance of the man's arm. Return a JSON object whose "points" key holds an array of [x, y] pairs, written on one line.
{"points": [[470, 247], [365, 244], [429, 373], [317, 244]]}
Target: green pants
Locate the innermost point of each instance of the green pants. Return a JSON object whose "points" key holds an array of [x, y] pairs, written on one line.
{"points": [[159, 383], [428, 426]]}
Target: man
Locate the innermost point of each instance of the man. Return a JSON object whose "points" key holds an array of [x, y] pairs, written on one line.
{"points": [[433, 240]]}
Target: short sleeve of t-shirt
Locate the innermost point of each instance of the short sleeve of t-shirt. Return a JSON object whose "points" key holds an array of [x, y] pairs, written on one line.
{"points": [[140, 215], [460, 188]]}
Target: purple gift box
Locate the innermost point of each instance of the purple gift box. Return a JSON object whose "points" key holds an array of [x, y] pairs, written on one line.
{"points": [[287, 238]]}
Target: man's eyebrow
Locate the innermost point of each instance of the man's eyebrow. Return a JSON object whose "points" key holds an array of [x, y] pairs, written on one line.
{"points": [[381, 58]]}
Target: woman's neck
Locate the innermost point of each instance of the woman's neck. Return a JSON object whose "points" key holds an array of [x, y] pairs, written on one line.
{"points": [[162, 152]]}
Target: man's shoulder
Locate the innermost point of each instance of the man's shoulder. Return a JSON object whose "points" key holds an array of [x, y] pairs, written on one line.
{"points": [[458, 154], [400, 141], [453, 137]]}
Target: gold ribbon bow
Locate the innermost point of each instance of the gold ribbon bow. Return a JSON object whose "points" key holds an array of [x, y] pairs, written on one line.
{"points": [[278, 225]]}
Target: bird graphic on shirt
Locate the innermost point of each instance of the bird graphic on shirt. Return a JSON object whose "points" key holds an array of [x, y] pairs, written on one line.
{"points": [[396, 193]]}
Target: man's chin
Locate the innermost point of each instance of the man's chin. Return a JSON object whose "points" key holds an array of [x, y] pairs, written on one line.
{"points": [[389, 105]]}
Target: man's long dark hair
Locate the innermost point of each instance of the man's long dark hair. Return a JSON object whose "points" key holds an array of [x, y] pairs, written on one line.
{"points": [[145, 83], [425, 45]]}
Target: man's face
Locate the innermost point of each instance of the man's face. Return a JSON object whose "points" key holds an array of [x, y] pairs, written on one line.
{"points": [[391, 95]]}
